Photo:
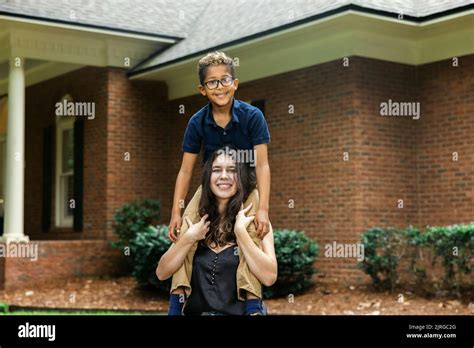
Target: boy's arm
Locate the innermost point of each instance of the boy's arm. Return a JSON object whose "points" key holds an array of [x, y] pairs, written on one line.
{"points": [[262, 220], [180, 191]]}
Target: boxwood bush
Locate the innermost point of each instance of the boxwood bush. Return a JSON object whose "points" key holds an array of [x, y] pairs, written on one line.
{"points": [[146, 250], [295, 254], [134, 217], [386, 247], [383, 250], [130, 220], [454, 246]]}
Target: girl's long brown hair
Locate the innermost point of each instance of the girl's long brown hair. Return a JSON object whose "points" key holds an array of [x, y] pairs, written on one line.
{"points": [[221, 228]]}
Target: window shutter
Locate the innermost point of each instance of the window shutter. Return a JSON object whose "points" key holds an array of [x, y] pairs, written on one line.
{"points": [[78, 174], [47, 178]]}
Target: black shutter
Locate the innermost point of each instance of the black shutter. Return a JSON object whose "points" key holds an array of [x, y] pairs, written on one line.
{"points": [[259, 104], [78, 173], [47, 177]]}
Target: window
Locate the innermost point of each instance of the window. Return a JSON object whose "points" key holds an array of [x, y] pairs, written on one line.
{"points": [[64, 171]]}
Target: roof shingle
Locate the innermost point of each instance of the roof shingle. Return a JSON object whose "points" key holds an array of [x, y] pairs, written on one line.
{"points": [[205, 23], [157, 17]]}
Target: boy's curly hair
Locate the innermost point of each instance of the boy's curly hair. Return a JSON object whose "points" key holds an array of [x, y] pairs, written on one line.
{"points": [[214, 58]]}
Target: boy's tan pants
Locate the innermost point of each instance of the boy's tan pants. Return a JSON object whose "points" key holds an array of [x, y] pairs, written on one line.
{"points": [[246, 281]]}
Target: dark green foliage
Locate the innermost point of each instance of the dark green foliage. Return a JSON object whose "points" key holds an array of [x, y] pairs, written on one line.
{"points": [[295, 254], [133, 218], [130, 220], [146, 250], [385, 247]]}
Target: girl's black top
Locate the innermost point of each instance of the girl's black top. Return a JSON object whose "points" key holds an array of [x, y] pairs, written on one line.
{"points": [[213, 282]]}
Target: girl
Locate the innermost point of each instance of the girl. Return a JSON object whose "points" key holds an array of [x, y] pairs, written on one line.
{"points": [[221, 239]]}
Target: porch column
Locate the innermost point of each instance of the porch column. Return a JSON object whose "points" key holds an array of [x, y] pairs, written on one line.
{"points": [[15, 155]]}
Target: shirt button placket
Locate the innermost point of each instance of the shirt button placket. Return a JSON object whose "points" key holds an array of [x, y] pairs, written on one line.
{"points": [[214, 270]]}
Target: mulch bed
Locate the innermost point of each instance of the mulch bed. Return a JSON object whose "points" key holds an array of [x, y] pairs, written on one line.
{"points": [[325, 298]]}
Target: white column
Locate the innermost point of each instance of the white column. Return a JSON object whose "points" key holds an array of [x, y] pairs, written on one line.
{"points": [[15, 157]]}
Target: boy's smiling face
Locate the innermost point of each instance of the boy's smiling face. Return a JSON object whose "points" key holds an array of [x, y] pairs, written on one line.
{"points": [[222, 95]]}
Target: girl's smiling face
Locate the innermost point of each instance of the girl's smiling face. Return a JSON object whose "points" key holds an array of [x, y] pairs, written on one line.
{"points": [[222, 95], [223, 177]]}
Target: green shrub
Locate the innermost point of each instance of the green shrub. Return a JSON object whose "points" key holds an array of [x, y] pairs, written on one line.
{"points": [[134, 217], [130, 220], [295, 254], [146, 250], [383, 249], [454, 245]]}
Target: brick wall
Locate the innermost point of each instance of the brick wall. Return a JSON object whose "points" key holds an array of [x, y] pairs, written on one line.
{"points": [[446, 187], [57, 260], [137, 142]]}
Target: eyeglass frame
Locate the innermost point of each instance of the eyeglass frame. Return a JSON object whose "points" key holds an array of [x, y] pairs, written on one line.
{"points": [[219, 81]]}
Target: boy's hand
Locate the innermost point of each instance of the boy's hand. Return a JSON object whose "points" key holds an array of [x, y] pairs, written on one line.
{"points": [[262, 222], [175, 224]]}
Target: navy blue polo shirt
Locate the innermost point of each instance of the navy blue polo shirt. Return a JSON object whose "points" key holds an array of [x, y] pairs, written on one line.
{"points": [[246, 129]]}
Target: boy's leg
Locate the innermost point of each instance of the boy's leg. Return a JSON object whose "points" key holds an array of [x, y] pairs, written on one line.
{"points": [[182, 277], [246, 280], [176, 304], [254, 305], [178, 291]]}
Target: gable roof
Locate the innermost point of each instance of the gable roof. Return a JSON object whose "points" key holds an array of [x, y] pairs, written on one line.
{"points": [[203, 25], [224, 23], [166, 18]]}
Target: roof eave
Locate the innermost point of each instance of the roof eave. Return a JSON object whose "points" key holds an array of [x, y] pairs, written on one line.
{"points": [[91, 27], [137, 72]]}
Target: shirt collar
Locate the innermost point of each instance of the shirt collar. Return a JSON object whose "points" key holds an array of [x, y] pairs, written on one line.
{"points": [[234, 109]]}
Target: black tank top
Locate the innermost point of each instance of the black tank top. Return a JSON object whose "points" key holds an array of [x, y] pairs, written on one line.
{"points": [[213, 282]]}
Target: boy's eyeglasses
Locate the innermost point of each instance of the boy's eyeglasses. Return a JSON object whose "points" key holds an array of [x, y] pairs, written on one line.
{"points": [[225, 82]]}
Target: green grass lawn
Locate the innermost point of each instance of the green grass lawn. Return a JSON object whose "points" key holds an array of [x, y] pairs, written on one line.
{"points": [[5, 310], [76, 313]]}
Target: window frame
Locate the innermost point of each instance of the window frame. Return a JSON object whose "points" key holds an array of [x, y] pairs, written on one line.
{"points": [[62, 123]]}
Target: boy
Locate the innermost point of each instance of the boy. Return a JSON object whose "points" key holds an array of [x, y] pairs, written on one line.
{"points": [[224, 120]]}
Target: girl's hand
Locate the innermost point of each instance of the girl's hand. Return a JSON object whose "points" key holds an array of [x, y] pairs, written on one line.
{"points": [[198, 230], [242, 221]]}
